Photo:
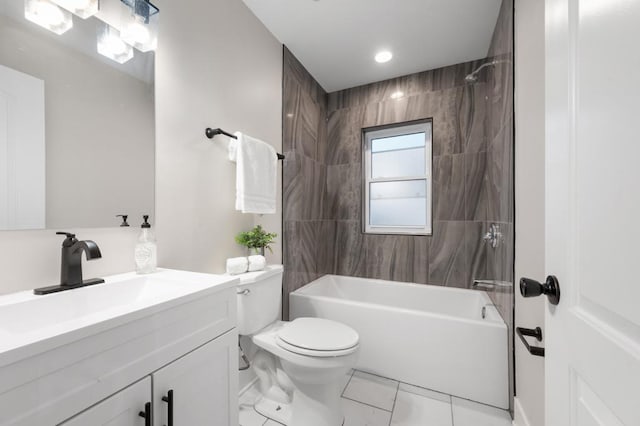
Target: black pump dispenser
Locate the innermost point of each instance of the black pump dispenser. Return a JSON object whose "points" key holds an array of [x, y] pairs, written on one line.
{"points": [[146, 224], [124, 219]]}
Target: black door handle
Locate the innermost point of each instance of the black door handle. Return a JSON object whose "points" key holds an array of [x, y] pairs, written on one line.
{"points": [[532, 288], [169, 400], [146, 414], [537, 333]]}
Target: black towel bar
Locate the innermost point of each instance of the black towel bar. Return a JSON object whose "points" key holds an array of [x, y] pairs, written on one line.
{"points": [[211, 133], [537, 333]]}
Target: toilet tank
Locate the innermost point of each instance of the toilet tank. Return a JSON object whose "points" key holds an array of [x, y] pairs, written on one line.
{"points": [[259, 299]]}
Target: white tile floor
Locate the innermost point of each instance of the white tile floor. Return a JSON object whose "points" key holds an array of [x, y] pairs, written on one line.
{"points": [[370, 400]]}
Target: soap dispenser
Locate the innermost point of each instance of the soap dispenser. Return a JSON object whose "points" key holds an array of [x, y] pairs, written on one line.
{"points": [[146, 253]]}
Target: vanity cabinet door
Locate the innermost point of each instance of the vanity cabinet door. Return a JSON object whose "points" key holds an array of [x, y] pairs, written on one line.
{"points": [[121, 409], [201, 388]]}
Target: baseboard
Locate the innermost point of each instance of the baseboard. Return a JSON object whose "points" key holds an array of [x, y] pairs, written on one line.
{"points": [[519, 416], [248, 386]]}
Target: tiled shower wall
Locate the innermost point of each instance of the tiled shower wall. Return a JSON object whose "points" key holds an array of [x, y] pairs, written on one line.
{"points": [[304, 140], [472, 175]]}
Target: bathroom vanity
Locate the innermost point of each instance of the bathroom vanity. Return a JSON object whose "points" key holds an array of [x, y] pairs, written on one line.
{"points": [[157, 349]]}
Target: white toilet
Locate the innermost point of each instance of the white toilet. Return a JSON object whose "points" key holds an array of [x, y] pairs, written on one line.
{"points": [[314, 353]]}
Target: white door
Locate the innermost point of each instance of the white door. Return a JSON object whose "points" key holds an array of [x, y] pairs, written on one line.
{"points": [[200, 388], [593, 212], [122, 409]]}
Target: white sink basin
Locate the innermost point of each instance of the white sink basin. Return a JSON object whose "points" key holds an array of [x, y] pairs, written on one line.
{"points": [[30, 324]]}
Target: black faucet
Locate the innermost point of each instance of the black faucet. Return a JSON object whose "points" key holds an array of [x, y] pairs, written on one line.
{"points": [[71, 265]]}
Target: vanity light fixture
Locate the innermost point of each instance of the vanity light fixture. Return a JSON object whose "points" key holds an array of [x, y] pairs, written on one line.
{"points": [[111, 45], [48, 15], [81, 8], [140, 25], [383, 56]]}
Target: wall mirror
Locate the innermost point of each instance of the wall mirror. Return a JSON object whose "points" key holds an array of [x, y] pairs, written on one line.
{"points": [[77, 129]]}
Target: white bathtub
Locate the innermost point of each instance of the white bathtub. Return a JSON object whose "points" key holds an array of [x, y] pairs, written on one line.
{"points": [[428, 336]]}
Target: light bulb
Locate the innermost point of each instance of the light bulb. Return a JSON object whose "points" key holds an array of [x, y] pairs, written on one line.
{"points": [[112, 46], [82, 8], [48, 15], [138, 32], [383, 56]]}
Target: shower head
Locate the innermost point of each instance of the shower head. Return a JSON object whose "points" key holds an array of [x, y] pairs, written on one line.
{"points": [[473, 77]]}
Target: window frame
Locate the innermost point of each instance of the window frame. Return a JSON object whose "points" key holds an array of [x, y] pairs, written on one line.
{"points": [[399, 129]]}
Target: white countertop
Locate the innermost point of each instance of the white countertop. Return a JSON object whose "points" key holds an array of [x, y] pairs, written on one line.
{"points": [[31, 324]]}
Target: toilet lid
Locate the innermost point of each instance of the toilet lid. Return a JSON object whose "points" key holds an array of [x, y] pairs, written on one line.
{"points": [[318, 334]]}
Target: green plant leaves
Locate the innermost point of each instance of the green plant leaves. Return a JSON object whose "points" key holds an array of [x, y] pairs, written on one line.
{"points": [[256, 238]]}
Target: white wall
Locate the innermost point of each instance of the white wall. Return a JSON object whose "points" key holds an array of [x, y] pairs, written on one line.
{"points": [[529, 171], [217, 66]]}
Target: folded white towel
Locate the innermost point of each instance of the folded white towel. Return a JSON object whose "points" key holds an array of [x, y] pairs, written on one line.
{"points": [[257, 263], [256, 174], [237, 265]]}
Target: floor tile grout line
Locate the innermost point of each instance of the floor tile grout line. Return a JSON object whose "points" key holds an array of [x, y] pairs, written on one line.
{"points": [[347, 384], [393, 407], [368, 405], [451, 407]]}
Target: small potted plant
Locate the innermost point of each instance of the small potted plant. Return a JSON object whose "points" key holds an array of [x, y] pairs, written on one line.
{"points": [[256, 240]]}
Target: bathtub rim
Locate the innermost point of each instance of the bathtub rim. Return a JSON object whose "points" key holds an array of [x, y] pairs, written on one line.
{"points": [[497, 323]]}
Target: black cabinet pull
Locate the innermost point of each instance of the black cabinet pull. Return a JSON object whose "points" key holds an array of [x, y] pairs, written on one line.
{"points": [[169, 400], [146, 414], [537, 333]]}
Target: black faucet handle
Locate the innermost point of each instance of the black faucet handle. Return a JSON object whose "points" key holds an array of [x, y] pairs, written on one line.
{"points": [[70, 240]]}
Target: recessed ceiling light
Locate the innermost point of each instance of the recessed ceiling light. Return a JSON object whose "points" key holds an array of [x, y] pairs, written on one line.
{"points": [[383, 56]]}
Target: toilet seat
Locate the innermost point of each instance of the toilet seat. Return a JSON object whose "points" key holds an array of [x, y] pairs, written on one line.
{"points": [[317, 337]]}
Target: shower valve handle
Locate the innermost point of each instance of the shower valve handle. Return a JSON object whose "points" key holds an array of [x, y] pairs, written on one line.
{"points": [[532, 288]]}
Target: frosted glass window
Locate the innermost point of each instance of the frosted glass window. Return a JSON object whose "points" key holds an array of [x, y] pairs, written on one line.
{"points": [[397, 176], [400, 203], [397, 156]]}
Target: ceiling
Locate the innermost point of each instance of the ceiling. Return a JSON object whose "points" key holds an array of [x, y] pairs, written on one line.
{"points": [[336, 40]]}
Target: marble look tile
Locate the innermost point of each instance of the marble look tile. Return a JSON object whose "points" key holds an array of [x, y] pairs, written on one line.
{"points": [[341, 249], [301, 120], [401, 258], [476, 186], [303, 182], [290, 105], [343, 199], [293, 67], [476, 250], [471, 107], [326, 254], [372, 390], [348, 249], [447, 255], [500, 195], [358, 414], [301, 245], [416, 410], [469, 413], [449, 187], [344, 137]]}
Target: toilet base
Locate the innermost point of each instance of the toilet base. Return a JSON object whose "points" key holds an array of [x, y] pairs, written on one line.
{"points": [[274, 410], [283, 413]]}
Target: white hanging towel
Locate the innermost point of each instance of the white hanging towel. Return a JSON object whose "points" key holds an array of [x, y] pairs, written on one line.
{"points": [[256, 174]]}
